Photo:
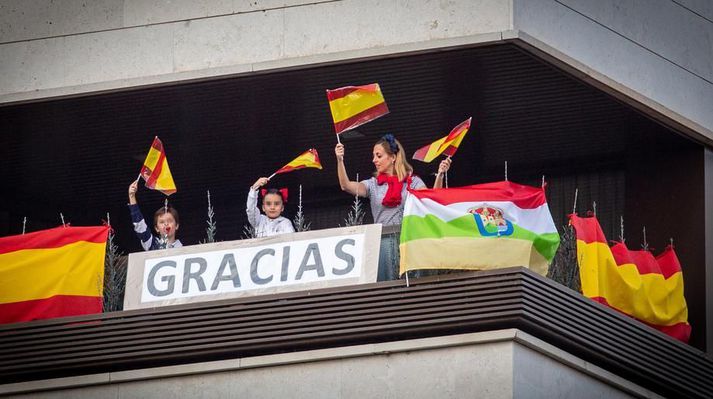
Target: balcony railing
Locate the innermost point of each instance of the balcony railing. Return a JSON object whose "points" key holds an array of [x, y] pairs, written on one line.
{"points": [[379, 312]]}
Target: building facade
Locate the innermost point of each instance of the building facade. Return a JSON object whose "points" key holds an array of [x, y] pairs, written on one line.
{"points": [[610, 98]]}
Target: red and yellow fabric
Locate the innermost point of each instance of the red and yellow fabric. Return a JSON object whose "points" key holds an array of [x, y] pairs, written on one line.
{"points": [[354, 106], [308, 159], [632, 282], [445, 145], [52, 273], [156, 172]]}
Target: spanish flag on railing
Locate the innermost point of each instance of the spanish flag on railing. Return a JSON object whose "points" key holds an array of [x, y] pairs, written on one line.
{"points": [[52, 273], [446, 145], [632, 282], [308, 159], [354, 106], [155, 170]]}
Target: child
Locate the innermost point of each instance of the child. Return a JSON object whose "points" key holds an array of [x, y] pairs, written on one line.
{"points": [[271, 223], [165, 222]]}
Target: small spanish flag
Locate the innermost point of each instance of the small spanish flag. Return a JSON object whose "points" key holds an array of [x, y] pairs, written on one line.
{"points": [[446, 145], [308, 159], [156, 172], [354, 106], [52, 273]]}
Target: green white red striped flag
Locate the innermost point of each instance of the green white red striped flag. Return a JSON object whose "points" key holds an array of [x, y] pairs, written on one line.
{"points": [[483, 226]]}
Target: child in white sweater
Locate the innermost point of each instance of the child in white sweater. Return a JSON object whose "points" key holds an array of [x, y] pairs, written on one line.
{"points": [[273, 203]]}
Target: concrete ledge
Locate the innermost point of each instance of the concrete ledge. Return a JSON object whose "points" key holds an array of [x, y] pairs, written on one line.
{"points": [[601, 81], [387, 348], [258, 67], [524, 40]]}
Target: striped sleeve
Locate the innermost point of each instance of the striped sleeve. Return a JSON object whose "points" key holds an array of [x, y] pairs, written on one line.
{"points": [[370, 185], [417, 183], [142, 231]]}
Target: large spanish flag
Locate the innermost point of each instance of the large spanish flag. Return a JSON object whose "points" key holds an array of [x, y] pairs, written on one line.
{"points": [[484, 226], [156, 172], [52, 273], [354, 106], [446, 145], [308, 159], [632, 282]]}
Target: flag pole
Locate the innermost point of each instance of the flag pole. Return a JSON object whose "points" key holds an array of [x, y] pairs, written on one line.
{"points": [[271, 176], [594, 207], [574, 208], [506, 170], [138, 178], [62, 217], [24, 222], [645, 245], [338, 140], [407, 283], [165, 211], [621, 229], [446, 174]]}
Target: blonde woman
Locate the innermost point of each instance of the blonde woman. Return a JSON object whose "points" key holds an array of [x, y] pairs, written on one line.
{"points": [[386, 190]]}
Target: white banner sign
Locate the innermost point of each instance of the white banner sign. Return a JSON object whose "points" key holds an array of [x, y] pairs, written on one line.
{"points": [[288, 262]]}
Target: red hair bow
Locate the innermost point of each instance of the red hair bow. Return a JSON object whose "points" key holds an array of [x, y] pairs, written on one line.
{"points": [[283, 193]]}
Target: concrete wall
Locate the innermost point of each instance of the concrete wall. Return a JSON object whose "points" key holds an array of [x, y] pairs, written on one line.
{"points": [[496, 364], [708, 198], [659, 52], [58, 48]]}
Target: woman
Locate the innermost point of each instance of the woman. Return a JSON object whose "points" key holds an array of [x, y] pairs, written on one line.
{"points": [[386, 191]]}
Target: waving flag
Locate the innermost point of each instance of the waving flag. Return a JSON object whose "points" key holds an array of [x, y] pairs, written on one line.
{"points": [[446, 145], [308, 159], [52, 273], [354, 106], [632, 282], [155, 170], [484, 226]]}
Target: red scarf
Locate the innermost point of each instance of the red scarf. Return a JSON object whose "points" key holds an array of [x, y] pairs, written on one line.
{"points": [[393, 193]]}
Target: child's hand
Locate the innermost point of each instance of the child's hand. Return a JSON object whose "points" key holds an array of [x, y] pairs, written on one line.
{"points": [[339, 151], [133, 187], [260, 182]]}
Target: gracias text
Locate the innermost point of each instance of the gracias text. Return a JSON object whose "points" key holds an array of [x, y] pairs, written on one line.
{"points": [[258, 267]]}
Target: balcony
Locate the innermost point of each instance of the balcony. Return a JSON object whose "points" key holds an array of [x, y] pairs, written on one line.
{"points": [[514, 302]]}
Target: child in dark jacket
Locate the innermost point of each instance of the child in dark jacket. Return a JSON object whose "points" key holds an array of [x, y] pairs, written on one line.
{"points": [[165, 222]]}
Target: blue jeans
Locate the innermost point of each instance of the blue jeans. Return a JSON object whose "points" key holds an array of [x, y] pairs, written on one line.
{"points": [[389, 256]]}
